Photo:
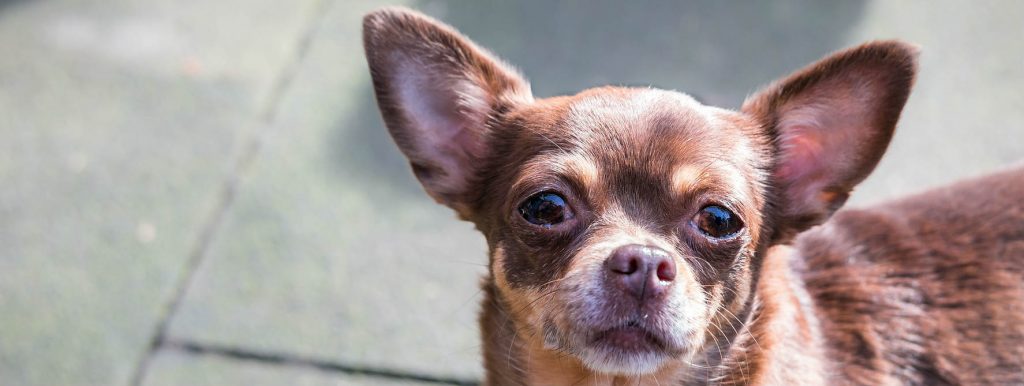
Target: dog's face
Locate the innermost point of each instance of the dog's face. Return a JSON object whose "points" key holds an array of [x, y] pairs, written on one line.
{"points": [[626, 225], [623, 223]]}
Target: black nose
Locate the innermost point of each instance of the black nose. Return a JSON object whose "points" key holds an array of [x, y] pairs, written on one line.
{"points": [[642, 271]]}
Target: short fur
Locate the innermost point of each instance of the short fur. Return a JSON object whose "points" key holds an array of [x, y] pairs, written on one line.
{"points": [[925, 290]]}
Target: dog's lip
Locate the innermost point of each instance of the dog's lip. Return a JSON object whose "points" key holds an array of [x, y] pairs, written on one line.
{"points": [[630, 336]]}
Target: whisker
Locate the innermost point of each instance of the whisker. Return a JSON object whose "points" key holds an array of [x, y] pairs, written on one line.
{"points": [[552, 142]]}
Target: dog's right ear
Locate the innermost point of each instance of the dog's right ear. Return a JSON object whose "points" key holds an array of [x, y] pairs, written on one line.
{"points": [[438, 93]]}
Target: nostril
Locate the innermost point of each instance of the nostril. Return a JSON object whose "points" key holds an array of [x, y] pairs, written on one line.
{"points": [[631, 259], [641, 271], [666, 270], [625, 264]]}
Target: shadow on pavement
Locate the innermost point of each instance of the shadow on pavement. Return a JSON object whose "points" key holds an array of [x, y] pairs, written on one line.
{"points": [[6, 3], [717, 51]]}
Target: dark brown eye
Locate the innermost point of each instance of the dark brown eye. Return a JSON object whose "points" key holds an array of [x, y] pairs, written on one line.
{"points": [[717, 222], [545, 209]]}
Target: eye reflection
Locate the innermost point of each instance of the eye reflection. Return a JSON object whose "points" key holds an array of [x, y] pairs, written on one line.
{"points": [[545, 209], [717, 222]]}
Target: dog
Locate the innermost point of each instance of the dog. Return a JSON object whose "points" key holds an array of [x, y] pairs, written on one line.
{"points": [[637, 236]]}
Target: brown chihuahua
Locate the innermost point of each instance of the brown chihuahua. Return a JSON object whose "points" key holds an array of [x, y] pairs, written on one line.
{"points": [[639, 237]]}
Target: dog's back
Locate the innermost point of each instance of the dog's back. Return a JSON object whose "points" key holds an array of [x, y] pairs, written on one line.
{"points": [[928, 289]]}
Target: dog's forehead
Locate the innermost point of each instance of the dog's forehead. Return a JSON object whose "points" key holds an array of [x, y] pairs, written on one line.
{"points": [[618, 112], [645, 128], [627, 142], [626, 103]]}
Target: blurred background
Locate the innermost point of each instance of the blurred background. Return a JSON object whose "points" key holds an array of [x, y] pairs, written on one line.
{"points": [[202, 192]]}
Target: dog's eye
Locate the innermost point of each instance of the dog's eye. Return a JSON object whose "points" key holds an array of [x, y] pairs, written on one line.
{"points": [[717, 222], [545, 209]]}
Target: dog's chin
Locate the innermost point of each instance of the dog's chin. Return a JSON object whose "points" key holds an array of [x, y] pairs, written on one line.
{"points": [[626, 350]]}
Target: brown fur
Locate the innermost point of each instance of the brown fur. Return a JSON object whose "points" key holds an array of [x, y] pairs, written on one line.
{"points": [[920, 291], [927, 289]]}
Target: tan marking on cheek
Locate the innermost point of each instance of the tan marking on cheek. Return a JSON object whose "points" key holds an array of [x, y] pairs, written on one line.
{"points": [[727, 313], [743, 284], [520, 301], [530, 308], [498, 267], [548, 367]]}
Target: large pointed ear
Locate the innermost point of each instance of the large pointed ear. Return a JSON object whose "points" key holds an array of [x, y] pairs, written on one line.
{"points": [[438, 93], [830, 123]]}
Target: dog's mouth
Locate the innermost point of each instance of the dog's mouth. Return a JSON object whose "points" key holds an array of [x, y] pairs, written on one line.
{"points": [[633, 347], [631, 336]]}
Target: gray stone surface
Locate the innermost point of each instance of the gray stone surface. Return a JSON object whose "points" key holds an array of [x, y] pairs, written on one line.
{"points": [[118, 124], [173, 368], [331, 250]]}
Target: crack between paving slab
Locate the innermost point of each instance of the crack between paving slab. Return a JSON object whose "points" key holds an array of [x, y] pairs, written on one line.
{"points": [[266, 115], [286, 360]]}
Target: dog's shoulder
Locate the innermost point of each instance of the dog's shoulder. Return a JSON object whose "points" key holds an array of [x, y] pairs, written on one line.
{"points": [[925, 289]]}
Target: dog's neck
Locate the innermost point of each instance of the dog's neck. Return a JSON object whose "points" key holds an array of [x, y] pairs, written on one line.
{"points": [[780, 343]]}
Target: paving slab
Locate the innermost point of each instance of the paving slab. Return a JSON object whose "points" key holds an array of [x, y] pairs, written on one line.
{"points": [[174, 368], [118, 125], [331, 250]]}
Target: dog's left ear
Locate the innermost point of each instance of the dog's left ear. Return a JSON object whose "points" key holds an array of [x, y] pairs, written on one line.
{"points": [[831, 122]]}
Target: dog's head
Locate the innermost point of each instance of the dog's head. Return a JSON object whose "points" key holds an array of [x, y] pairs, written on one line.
{"points": [[625, 225]]}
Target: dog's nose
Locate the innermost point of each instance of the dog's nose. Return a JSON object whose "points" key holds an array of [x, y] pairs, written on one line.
{"points": [[642, 271]]}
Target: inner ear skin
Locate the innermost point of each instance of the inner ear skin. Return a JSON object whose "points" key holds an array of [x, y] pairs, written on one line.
{"points": [[831, 122]]}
